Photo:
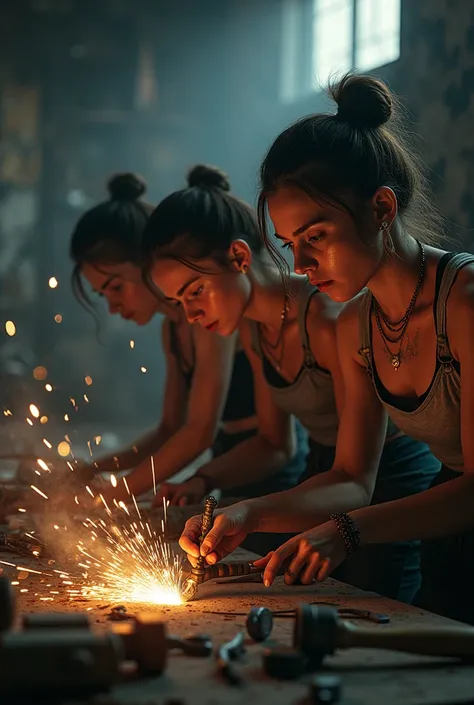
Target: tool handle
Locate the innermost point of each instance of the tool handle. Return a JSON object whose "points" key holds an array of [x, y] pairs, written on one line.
{"points": [[455, 642], [229, 570]]}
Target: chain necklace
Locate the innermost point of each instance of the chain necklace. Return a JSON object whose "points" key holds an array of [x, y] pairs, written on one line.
{"points": [[397, 329], [280, 340]]}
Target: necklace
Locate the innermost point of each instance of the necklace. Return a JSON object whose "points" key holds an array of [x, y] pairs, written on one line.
{"points": [[279, 341], [397, 329]]}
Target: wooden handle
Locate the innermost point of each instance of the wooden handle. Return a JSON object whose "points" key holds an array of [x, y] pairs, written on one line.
{"points": [[456, 642]]}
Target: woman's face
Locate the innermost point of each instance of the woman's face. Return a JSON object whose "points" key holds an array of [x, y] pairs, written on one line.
{"points": [[123, 288], [216, 300], [325, 243]]}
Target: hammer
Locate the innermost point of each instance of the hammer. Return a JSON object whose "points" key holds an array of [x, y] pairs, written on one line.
{"points": [[319, 632]]}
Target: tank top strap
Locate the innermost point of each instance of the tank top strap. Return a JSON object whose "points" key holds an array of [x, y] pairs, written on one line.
{"points": [[451, 269], [304, 299], [365, 309]]}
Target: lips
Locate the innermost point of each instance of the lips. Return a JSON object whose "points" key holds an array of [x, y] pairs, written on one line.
{"points": [[212, 327], [322, 285]]}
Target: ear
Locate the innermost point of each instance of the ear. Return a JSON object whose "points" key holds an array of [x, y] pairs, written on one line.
{"points": [[240, 256], [385, 206]]}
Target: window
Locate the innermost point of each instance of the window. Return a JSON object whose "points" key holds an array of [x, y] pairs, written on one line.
{"points": [[360, 34]]}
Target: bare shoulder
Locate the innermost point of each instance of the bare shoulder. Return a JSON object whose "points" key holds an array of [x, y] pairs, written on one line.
{"points": [[460, 309], [321, 321]]}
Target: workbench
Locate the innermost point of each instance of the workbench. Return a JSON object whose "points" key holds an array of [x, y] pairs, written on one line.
{"points": [[369, 677]]}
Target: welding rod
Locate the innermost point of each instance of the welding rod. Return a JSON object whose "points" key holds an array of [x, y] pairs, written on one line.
{"points": [[198, 571]]}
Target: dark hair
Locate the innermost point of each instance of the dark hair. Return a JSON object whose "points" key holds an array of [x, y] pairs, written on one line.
{"points": [[200, 221], [353, 151], [111, 232]]}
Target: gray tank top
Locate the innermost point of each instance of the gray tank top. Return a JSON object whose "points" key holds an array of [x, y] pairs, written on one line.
{"points": [[311, 396], [436, 418]]}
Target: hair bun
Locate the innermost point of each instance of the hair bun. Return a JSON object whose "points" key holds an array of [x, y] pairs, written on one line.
{"points": [[204, 176], [126, 187], [363, 101]]}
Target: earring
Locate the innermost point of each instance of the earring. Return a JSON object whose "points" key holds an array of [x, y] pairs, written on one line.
{"points": [[388, 245], [384, 225], [245, 269]]}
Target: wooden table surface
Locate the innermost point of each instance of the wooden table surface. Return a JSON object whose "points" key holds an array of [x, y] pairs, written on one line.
{"points": [[369, 677]]}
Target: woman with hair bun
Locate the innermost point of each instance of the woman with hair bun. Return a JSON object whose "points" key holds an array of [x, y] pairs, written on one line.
{"points": [[209, 396], [346, 193], [205, 251]]}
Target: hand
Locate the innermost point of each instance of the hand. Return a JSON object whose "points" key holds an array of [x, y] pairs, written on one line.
{"points": [[230, 528], [180, 494], [310, 556]]}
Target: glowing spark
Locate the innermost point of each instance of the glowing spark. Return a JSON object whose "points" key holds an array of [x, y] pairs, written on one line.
{"points": [[73, 401], [53, 282], [44, 419], [90, 449], [152, 461], [113, 481], [40, 373], [85, 398], [143, 369], [66, 417], [39, 491], [20, 509], [10, 328], [97, 439], [43, 465], [88, 380], [7, 412], [66, 437], [47, 443], [34, 411], [69, 464], [90, 491], [29, 421], [58, 318], [64, 449], [132, 344], [48, 387]]}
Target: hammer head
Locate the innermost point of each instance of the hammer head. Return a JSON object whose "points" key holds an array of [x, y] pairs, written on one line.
{"points": [[315, 632]]}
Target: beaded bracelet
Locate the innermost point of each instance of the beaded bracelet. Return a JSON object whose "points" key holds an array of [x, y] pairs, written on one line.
{"points": [[349, 532]]}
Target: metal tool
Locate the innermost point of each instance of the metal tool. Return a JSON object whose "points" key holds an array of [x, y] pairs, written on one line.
{"points": [[319, 631], [198, 572], [284, 662], [325, 689], [17, 542], [228, 652], [259, 623]]}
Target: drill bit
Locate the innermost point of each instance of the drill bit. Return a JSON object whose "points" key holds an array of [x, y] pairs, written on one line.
{"points": [[198, 571]]}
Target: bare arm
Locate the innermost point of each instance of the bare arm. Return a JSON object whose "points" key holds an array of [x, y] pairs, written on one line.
{"points": [[350, 482], [448, 508], [269, 450], [210, 384]]}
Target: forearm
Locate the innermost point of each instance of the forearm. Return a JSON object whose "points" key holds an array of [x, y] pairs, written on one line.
{"points": [[310, 503], [442, 510], [251, 461], [184, 446]]}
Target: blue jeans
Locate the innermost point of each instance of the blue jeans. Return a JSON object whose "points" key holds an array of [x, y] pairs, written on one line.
{"points": [[393, 570]]}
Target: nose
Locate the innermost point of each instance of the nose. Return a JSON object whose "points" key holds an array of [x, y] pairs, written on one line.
{"points": [[193, 313], [302, 262]]}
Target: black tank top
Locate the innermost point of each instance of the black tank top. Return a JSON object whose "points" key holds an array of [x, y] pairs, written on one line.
{"points": [[240, 402]]}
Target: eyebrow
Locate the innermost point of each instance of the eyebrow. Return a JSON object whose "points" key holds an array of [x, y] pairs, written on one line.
{"points": [[185, 286], [303, 228], [107, 282]]}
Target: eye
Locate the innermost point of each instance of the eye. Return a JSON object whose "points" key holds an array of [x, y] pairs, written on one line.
{"points": [[316, 238], [197, 291], [287, 245], [116, 288]]}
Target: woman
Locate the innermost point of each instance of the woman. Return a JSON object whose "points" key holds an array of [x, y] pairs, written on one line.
{"points": [[351, 176], [225, 283], [209, 397]]}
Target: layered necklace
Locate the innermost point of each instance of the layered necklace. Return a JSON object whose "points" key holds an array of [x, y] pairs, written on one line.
{"points": [[272, 348], [394, 331]]}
